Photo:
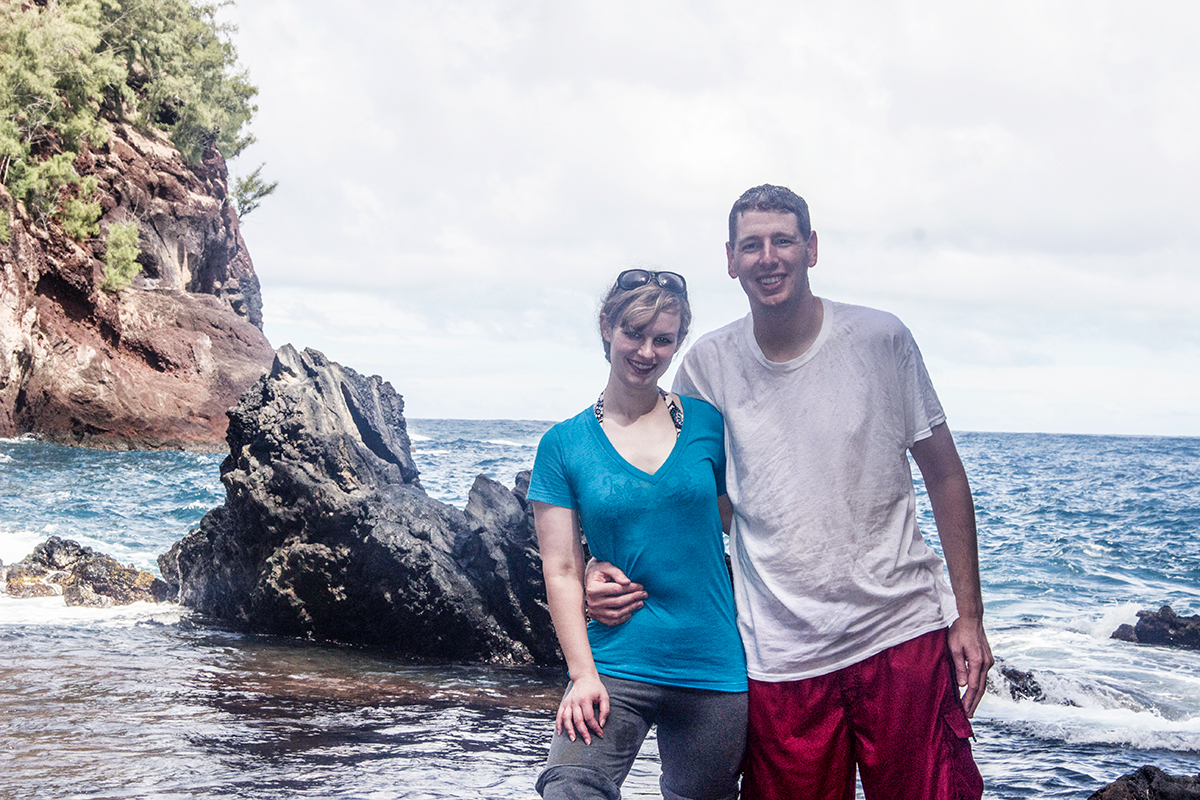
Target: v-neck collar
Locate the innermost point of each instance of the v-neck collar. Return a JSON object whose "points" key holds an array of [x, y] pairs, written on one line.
{"points": [[663, 468]]}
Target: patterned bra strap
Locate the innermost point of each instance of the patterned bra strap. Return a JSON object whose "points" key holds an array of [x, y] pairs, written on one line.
{"points": [[672, 408]]}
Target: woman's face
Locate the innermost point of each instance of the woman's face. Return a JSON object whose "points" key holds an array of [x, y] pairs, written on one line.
{"points": [[639, 358]]}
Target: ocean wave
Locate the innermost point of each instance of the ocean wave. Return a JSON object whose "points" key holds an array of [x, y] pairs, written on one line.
{"points": [[1064, 678], [16, 544], [1083, 724], [507, 443], [54, 612], [1078, 534], [195, 505], [24, 438]]}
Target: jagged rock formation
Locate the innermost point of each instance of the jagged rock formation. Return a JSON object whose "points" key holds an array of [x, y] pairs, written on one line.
{"points": [[327, 534], [1163, 627], [1150, 783], [1018, 684], [158, 364], [81, 576]]}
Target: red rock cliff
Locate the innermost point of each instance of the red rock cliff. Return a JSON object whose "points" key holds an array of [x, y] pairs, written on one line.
{"points": [[157, 365]]}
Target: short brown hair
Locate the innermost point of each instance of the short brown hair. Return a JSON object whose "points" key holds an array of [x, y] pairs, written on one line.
{"points": [[770, 198]]}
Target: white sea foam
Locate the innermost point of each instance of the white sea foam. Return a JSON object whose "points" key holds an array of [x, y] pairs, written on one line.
{"points": [[1095, 689], [1123, 727], [1102, 627], [23, 439], [53, 611], [17, 543]]}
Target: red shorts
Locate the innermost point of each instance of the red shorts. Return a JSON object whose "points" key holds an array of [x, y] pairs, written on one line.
{"points": [[896, 715]]}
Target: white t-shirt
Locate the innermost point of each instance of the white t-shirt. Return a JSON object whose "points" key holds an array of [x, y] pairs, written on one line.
{"points": [[829, 567]]}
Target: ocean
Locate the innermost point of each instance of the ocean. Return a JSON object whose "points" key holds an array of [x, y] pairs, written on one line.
{"points": [[1077, 533]]}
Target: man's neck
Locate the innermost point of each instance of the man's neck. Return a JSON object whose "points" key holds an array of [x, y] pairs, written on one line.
{"points": [[787, 332]]}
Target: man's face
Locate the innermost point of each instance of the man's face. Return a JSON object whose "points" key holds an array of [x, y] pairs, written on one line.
{"points": [[770, 258]]}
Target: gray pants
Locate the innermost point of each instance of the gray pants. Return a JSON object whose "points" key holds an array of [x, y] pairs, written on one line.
{"points": [[701, 738]]}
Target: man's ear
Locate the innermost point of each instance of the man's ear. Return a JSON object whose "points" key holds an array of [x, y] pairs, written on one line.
{"points": [[729, 259]]}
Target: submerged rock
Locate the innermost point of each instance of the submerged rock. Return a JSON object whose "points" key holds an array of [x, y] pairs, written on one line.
{"points": [[326, 532], [1019, 684], [1163, 627], [81, 576], [1150, 783]]}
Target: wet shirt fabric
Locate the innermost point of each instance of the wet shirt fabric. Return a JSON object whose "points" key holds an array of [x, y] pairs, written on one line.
{"points": [[663, 531], [828, 562]]}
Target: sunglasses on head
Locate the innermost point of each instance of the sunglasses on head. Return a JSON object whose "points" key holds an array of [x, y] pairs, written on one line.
{"points": [[633, 278]]}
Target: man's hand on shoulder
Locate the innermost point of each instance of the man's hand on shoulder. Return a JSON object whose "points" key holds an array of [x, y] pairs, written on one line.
{"points": [[611, 597], [972, 657]]}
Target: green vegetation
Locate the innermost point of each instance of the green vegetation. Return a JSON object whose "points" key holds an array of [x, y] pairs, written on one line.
{"points": [[249, 191], [120, 259], [66, 66], [53, 64], [180, 72], [77, 215]]}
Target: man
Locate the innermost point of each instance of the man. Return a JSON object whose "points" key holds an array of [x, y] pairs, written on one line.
{"points": [[855, 646]]}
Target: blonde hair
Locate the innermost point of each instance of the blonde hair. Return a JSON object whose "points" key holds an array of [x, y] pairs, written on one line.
{"points": [[636, 308]]}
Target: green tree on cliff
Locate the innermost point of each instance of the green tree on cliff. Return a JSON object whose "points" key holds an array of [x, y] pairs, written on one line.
{"points": [[68, 65], [53, 65], [181, 73], [120, 257]]}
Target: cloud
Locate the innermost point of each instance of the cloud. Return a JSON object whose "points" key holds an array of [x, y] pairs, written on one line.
{"points": [[459, 183]]}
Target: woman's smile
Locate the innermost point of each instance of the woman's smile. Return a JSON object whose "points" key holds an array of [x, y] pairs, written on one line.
{"points": [[646, 352]]}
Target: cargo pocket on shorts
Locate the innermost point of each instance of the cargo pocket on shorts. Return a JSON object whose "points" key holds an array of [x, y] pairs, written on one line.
{"points": [[965, 781]]}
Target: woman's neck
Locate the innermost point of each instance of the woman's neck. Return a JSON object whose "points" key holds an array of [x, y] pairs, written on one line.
{"points": [[624, 405]]}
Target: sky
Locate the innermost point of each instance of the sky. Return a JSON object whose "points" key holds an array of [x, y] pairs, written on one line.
{"points": [[460, 182]]}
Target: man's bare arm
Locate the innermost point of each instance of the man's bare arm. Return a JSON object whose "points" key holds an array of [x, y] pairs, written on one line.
{"points": [[954, 513], [725, 508]]}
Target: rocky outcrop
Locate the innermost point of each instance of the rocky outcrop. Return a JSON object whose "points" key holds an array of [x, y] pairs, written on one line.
{"points": [[157, 365], [1150, 783], [326, 532], [1163, 627], [81, 576], [1017, 684]]}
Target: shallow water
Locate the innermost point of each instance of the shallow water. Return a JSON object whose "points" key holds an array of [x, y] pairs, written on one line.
{"points": [[1077, 534]]}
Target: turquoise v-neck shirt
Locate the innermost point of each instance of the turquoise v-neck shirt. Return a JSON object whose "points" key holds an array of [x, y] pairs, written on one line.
{"points": [[664, 532]]}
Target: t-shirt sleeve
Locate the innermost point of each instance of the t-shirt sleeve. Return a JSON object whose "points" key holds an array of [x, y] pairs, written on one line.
{"points": [[923, 409], [687, 384], [684, 384], [720, 466], [549, 482], [690, 379]]}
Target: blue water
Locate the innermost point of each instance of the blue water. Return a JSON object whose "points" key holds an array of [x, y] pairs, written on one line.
{"points": [[1076, 534]]}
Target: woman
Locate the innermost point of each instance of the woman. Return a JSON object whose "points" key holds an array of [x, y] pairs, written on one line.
{"points": [[641, 472]]}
